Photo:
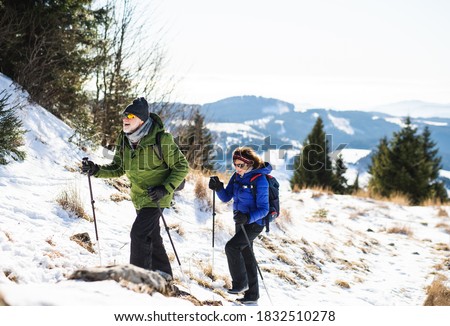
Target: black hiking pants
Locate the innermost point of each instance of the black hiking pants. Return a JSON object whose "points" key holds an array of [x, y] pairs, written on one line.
{"points": [[147, 248], [241, 263]]}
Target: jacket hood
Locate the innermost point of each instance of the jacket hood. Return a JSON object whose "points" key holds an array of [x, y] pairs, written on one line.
{"points": [[266, 169]]}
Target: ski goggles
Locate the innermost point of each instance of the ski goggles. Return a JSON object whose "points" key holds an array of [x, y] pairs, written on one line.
{"points": [[128, 115]]}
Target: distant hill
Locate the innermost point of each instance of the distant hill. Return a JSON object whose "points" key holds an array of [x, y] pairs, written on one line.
{"points": [[250, 119]]}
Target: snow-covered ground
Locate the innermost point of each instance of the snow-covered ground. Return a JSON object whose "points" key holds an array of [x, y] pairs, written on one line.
{"points": [[325, 250]]}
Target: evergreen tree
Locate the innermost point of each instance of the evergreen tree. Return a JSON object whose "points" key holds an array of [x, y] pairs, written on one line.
{"points": [[355, 187], [11, 132], [407, 165], [380, 169], [196, 143], [313, 167], [436, 189], [47, 48], [340, 181]]}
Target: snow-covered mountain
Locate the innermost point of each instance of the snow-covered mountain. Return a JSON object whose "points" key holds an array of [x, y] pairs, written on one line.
{"points": [[323, 250], [251, 119]]}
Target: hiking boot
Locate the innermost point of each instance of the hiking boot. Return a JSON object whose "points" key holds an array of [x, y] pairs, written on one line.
{"points": [[247, 301], [237, 290]]}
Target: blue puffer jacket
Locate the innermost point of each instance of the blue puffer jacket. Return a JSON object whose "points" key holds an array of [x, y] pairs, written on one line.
{"points": [[239, 189]]}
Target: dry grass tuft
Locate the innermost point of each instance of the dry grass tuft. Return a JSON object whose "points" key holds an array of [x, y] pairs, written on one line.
{"points": [[84, 240], [11, 276], [444, 266], [200, 189], [50, 242], [399, 199], [400, 230], [442, 212], [69, 200], [438, 293], [202, 193], [444, 226], [177, 228], [321, 215], [342, 284], [122, 184], [267, 243], [285, 259], [395, 198], [202, 282], [208, 271], [299, 274], [8, 236], [280, 274], [2, 300], [54, 254], [72, 168], [440, 246], [118, 197]]}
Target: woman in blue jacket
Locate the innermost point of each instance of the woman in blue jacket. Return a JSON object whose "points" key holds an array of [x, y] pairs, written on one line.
{"points": [[248, 212]]}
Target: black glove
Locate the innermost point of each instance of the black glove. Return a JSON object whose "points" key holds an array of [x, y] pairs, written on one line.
{"points": [[89, 167], [215, 183], [240, 218], [156, 193]]}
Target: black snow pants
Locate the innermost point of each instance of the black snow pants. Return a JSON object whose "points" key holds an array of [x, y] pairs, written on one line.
{"points": [[147, 248], [241, 263]]}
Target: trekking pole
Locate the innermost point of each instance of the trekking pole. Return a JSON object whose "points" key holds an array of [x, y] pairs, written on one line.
{"points": [[173, 246], [214, 215], [85, 159], [213, 224], [168, 233], [254, 258]]}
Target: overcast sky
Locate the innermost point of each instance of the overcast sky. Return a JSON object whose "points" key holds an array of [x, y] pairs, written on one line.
{"points": [[332, 53]]}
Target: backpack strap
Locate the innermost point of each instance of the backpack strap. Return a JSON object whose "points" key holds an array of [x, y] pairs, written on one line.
{"points": [[253, 183], [255, 177], [157, 148]]}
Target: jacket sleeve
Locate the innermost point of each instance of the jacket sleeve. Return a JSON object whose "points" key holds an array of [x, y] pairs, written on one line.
{"points": [[176, 162], [115, 168], [262, 200], [226, 194]]}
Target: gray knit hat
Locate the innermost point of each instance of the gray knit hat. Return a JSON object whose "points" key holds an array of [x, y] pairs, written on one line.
{"points": [[139, 108]]}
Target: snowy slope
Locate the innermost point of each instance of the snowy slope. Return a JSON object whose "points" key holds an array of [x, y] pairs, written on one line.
{"points": [[324, 250]]}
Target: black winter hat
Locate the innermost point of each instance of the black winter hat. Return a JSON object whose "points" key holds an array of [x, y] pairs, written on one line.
{"points": [[139, 108]]}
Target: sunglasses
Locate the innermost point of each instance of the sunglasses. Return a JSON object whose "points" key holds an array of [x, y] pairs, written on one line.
{"points": [[240, 165], [128, 115]]}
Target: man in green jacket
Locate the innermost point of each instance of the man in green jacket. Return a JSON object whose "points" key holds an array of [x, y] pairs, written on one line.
{"points": [[153, 179]]}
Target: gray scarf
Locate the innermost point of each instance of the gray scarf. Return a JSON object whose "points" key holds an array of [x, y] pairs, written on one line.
{"points": [[137, 135]]}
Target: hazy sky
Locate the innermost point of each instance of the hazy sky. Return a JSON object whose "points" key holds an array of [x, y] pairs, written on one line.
{"points": [[331, 53]]}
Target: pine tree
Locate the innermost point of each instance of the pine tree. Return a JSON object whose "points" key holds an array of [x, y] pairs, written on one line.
{"points": [[407, 164], [380, 169], [436, 189], [340, 181], [355, 187], [196, 143], [46, 47], [11, 132], [313, 167]]}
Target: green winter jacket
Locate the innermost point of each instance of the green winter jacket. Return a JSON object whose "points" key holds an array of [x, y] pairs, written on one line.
{"points": [[144, 168]]}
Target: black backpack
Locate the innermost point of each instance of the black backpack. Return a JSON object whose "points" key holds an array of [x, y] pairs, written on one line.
{"points": [[274, 197]]}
